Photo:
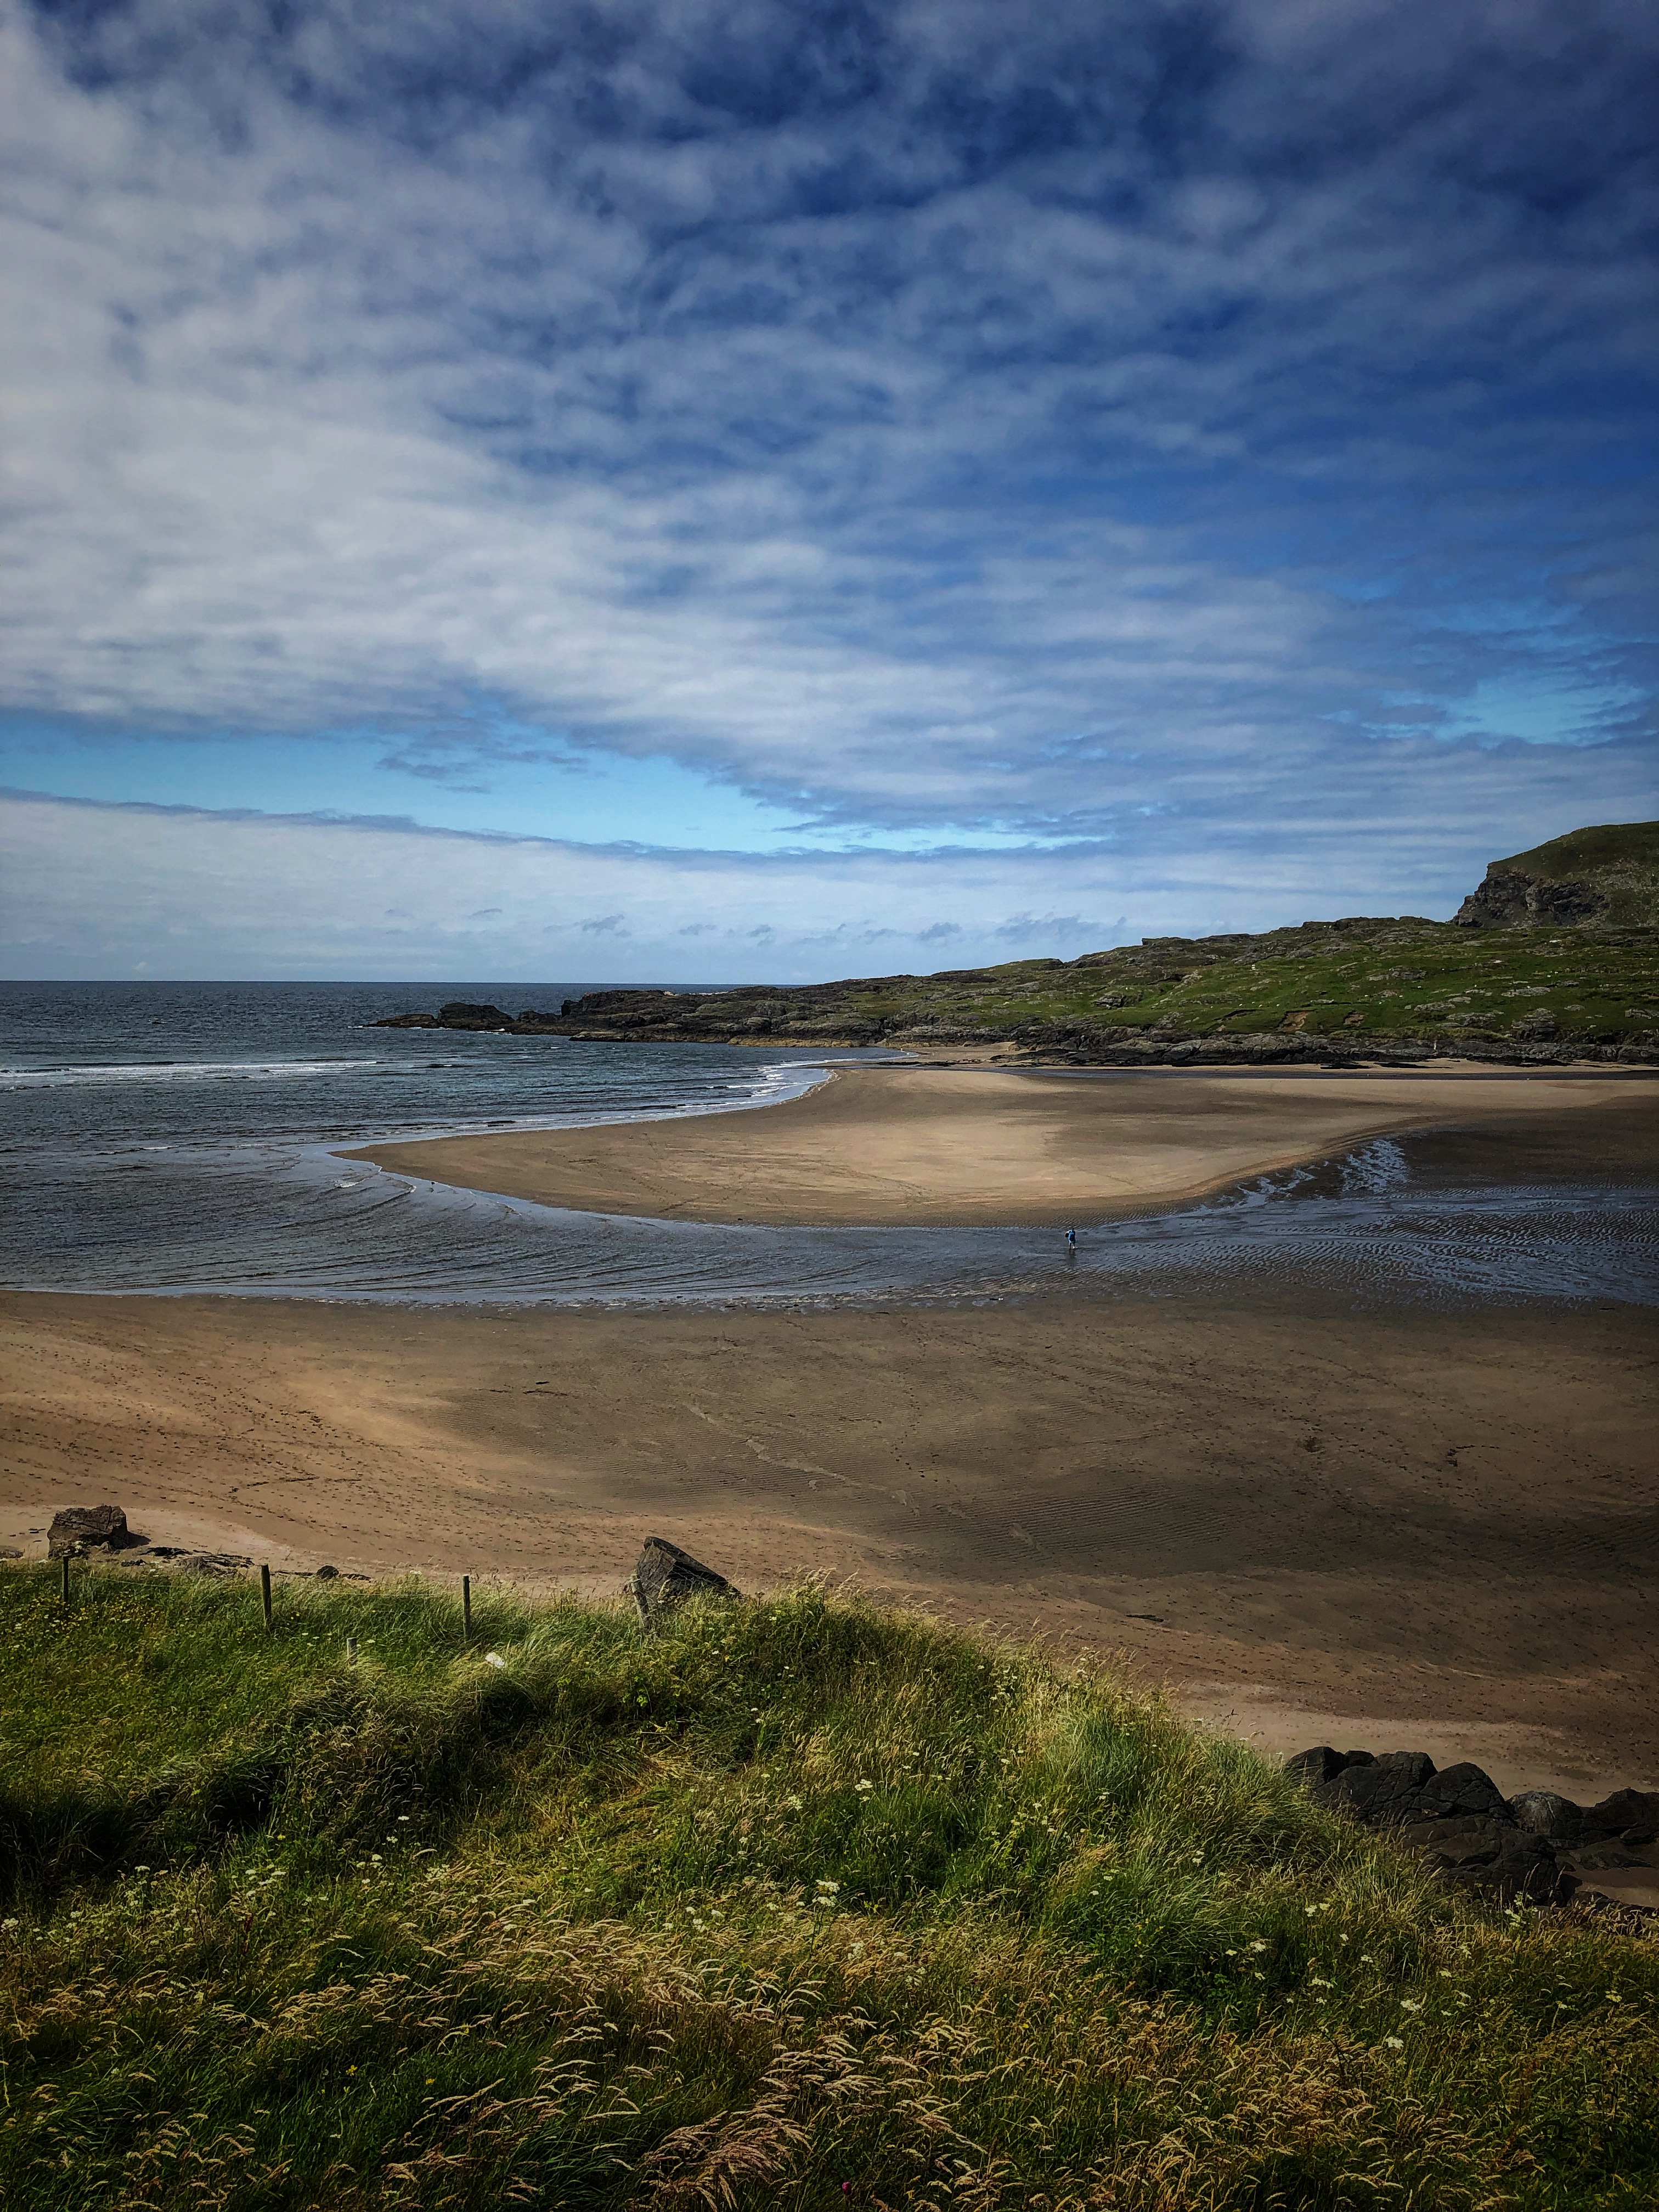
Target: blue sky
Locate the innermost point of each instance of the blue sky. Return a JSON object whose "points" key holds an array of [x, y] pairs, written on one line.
{"points": [[767, 484]]}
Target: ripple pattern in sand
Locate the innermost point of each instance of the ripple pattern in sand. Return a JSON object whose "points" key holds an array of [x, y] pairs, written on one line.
{"points": [[300, 1221]]}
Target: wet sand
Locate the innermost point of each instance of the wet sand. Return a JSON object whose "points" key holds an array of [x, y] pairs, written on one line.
{"points": [[932, 1147], [1406, 1529]]}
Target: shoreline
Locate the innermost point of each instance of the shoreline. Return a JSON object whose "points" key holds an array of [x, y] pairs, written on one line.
{"points": [[941, 1145], [1416, 1528]]}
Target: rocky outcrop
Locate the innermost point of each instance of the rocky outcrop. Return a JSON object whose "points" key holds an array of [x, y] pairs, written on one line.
{"points": [[457, 1014], [666, 1576], [1538, 1846], [1509, 898], [97, 1529]]}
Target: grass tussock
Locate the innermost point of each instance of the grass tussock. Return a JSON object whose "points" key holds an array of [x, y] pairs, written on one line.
{"points": [[794, 1904]]}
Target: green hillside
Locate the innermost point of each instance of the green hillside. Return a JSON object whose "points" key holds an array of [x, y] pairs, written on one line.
{"points": [[1351, 985], [1610, 876], [792, 1905], [1554, 957]]}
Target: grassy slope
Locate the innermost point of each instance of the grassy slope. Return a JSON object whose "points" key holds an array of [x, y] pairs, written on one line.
{"points": [[1362, 978], [1375, 979], [795, 1905], [1620, 859]]}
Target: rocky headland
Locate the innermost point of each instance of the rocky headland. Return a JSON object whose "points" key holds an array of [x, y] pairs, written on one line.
{"points": [[1553, 959]]}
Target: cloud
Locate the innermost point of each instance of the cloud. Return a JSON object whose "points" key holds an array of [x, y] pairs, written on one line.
{"points": [[88, 889], [921, 423], [1052, 928]]}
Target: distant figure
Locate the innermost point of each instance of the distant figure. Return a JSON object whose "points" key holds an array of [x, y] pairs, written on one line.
{"points": [[1070, 1240]]}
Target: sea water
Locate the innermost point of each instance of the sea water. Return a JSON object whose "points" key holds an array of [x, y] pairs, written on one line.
{"points": [[171, 1138]]}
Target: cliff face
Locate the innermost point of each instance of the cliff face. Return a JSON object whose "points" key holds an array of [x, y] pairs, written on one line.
{"points": [[1609, 874]]}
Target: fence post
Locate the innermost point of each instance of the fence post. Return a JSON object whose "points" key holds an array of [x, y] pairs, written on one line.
{"points": [[64, 1563], [466, 1608], [352, 1652], [264, 1593]]}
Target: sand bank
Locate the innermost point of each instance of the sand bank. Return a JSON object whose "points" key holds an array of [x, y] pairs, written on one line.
{"points": [[930, 1145], [1392, 1528]]}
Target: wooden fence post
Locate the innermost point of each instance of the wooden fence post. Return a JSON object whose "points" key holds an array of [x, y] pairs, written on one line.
{"points": [[466, 1608], [264, 1592]]}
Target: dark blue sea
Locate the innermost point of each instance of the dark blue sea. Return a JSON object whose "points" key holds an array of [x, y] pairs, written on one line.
{"points": [[174, 1137]]}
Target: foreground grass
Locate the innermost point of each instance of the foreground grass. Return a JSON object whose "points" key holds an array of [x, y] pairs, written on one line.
{"points": [[793, 1904]]}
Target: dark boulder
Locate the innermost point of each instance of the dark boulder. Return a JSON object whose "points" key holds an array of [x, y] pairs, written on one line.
{"points": [[1543, 1812], [459, 1015], [1384, 1793], [1632, 1814], [1462, 1790], [89, 1528], [1323, 1764], [1503, 1859], [1460, 1839], [666, 1576]]}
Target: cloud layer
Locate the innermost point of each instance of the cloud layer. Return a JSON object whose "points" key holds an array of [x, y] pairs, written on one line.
{"points": [[91, 890], [929, 422]]}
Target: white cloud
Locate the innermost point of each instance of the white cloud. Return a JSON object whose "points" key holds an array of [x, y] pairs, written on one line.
{"points": [[763, 397], [88, 889]]}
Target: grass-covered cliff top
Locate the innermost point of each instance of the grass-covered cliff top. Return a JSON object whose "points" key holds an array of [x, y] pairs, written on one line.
{"points": [[794, 1904], [1555, 953], [1617, 862], [1380, 979]]}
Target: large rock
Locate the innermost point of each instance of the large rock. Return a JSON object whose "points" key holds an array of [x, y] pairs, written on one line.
{"points": [[666, 1576], [88, 1528], [1386, 1793], [1322, 1764], [1631, 1814], [1464, 1789], [1514, 898], [1471, 1851], [1545, 1812]]}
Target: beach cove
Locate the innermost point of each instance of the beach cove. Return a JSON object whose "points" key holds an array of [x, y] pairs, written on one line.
{"points": [[1309, 1514], [947, 1145]]}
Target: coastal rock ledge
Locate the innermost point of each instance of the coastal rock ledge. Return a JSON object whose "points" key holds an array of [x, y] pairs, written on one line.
{"points": [[1538, 1846]]}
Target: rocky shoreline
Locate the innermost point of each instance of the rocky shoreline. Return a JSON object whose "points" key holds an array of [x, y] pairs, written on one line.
{"points": [[1039, 1044], [100, 1534], [1536, 1847], [1554, 958]]}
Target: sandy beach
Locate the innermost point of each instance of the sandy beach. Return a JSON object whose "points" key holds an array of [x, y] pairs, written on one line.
{"points": [[1384, 1527], [1408, 1528], [934, 1146]]}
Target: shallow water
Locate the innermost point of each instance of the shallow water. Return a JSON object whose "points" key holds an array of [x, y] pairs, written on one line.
{"points": [[175, 1139]]}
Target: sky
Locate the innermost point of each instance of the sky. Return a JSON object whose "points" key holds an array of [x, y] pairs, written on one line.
{"points": [[692, 493]]}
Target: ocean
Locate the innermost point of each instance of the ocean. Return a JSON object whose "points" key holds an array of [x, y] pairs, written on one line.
{"points": [[165, 1138]]}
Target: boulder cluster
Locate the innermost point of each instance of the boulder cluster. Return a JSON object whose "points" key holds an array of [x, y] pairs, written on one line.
{"points": [[100, 1532], [1471, 1834]]}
